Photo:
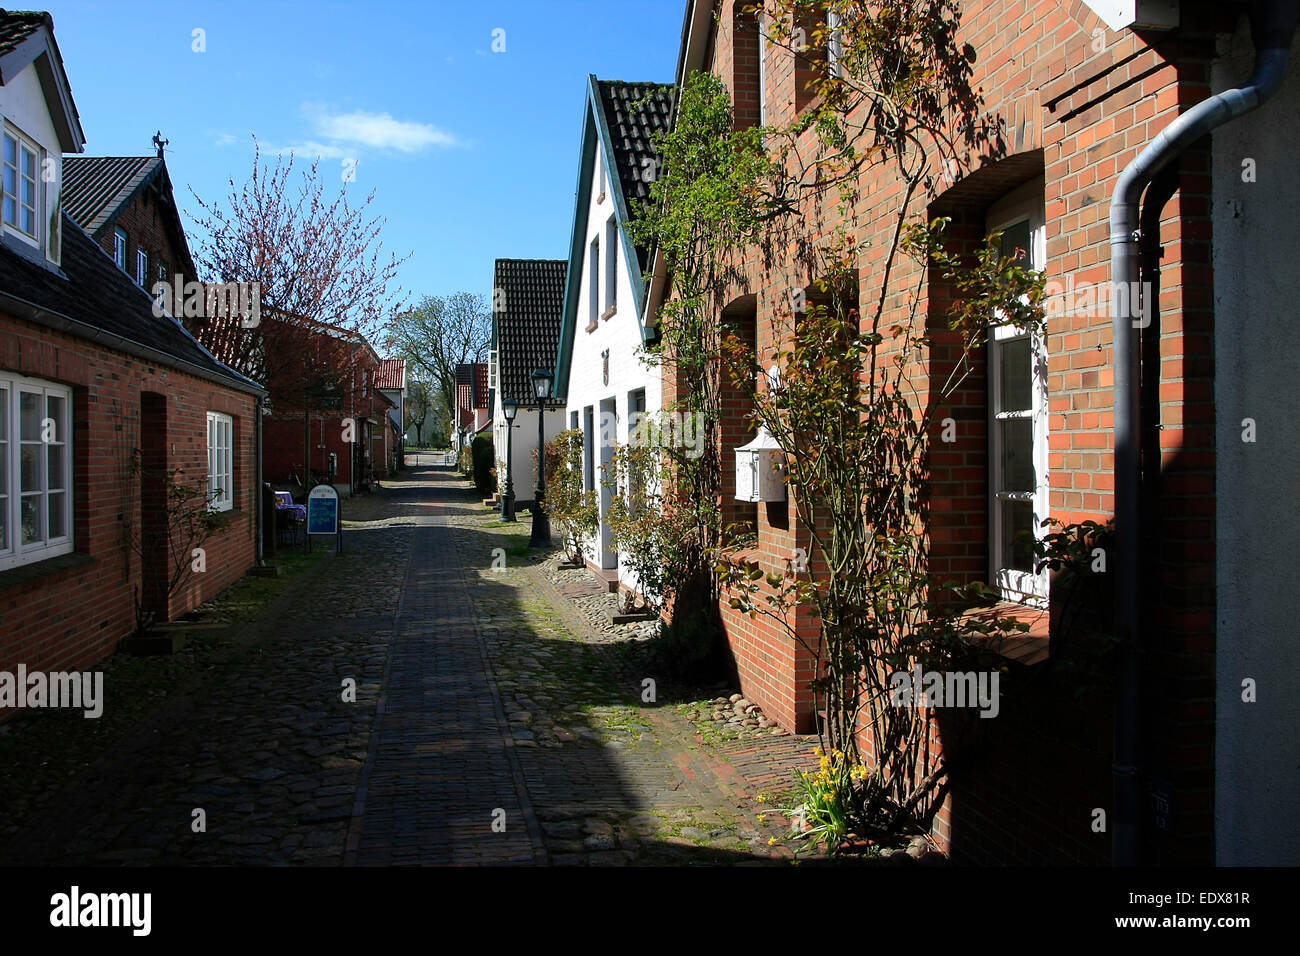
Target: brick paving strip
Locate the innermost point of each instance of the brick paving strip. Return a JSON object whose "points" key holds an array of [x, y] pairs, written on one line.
{"points": [[441, 762]]}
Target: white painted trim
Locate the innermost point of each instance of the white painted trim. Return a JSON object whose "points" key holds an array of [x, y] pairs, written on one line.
{"points": [[1025, 203]]}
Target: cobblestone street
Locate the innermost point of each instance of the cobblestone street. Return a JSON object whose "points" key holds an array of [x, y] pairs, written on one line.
{"points": [[492, 725]]}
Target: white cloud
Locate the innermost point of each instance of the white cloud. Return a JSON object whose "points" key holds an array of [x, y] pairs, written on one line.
{"points": [[378, 130], [310, 148], [225, 139]]}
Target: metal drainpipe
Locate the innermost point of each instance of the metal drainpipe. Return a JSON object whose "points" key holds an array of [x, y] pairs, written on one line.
{"points": [[1273, 24]]}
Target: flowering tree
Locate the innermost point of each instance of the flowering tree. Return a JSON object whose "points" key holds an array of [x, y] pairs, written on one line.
{"points": [[323, 280]]}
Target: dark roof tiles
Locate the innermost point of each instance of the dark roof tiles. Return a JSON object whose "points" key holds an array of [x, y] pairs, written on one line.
{"points": [[17, 25], [634, 113], [96, 293], [95, 187], [528, 324]]}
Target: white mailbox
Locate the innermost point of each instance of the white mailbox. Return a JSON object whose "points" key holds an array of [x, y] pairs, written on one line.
{"points": [[760, 470]]}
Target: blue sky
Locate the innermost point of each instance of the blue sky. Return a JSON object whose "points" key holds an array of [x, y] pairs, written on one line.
{"points": [[472, 153]]}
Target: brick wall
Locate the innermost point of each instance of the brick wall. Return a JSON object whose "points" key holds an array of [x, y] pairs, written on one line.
{"points": [[1076, 103], [147, 223], [72, 618]]}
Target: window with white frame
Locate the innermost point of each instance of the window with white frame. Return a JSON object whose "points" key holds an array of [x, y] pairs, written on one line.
{"points": [[141, 267], [22, 158], [593, 282], [611, 264], [1018, 416], [834, 43], [35, 470], [119, 248], [492, 370], [220, 462]]}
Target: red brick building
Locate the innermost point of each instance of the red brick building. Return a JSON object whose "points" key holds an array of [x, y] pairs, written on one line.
{"points": [[347, 420], [1076, 98], [89, 378]]}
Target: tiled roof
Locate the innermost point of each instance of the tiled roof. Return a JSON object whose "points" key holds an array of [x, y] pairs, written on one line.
{"points": [[391, 373], [634, 112], [96, 187], [97, 293], [528, 325], [464, 374], [17, 25], [480, 385]]}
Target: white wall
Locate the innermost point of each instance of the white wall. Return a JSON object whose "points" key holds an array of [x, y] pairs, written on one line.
{"points": [[1257, 361], [621, 335], [523, 443]]}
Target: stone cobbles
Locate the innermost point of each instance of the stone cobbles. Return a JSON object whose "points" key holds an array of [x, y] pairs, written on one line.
{"points": [[498, 719]]}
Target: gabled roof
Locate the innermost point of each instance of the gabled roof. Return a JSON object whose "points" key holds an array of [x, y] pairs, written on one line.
{"points": [[27, 37], [94, 299], [391, 374], [526, 330], [620, 119], [480, 385], [95, 188]]}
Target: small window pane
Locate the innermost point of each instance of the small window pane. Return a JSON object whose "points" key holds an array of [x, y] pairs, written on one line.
{"points": [[57, 458], [30, 467], [31, 519], [29, 222], [58, 519], [1015, 381], [29, 416], [11, 151], [4, 526], [55, 406], [1017, 441], [29, 164], [1017, 535], [11, 208], [4, 414], [1016, 237]]}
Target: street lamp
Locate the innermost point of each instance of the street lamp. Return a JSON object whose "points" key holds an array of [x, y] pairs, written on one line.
{"points": [[510, 407], [541, 537]]}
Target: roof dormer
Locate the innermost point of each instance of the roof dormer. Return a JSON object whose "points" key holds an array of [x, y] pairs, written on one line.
{"points": [[38, 124]]}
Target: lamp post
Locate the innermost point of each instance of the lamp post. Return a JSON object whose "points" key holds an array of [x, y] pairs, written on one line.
{"points": [[541, 537], [510, 407]]}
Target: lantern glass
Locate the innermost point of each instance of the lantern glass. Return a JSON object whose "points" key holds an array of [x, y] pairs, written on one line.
{"points": [[511, 407]]}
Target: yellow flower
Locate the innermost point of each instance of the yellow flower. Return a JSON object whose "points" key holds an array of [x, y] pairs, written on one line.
{"points": [[817, 751], [762, 818], [771, 841]]}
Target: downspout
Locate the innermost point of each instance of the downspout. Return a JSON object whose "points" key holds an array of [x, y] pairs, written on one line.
{"points": [[1272, 24]]}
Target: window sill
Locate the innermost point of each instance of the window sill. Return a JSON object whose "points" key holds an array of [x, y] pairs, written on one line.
{"points": [[1026, 647], [26, 574], [609, 312]]}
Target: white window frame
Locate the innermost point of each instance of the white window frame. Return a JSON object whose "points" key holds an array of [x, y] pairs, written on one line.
{"points": [[119, 247], [593, 284], [611, 264], [13, 551], [22, 145], [221, 462], [141, 267], [1026, 203], [492, 370]]}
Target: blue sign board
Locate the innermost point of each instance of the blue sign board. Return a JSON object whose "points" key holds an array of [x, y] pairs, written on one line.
{"points": [[323, 510]]}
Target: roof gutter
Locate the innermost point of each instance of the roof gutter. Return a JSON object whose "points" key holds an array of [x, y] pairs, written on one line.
{"points": [[56, 320], [1273, 25]]}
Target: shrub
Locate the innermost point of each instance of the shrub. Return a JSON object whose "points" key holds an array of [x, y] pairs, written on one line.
{"points": [[574, 512], [482, 457]]}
